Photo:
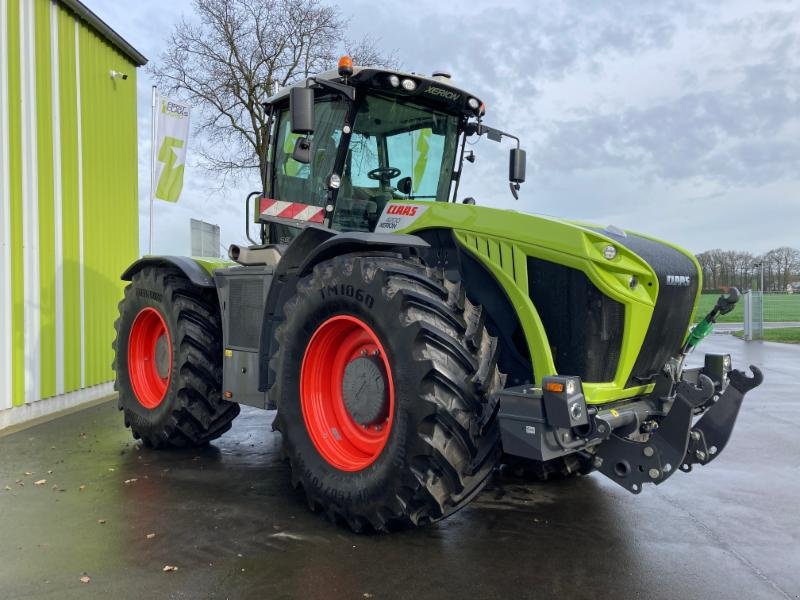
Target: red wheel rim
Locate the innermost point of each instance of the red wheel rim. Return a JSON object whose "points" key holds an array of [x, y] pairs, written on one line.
{"points": [[340, 440], [149, 384]]}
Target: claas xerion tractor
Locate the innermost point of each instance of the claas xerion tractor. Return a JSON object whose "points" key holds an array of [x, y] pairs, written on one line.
{"points": [[412, 341]]}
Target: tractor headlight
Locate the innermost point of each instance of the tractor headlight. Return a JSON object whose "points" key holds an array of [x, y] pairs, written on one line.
{"points": [[334, 181], [473, 103], [409, 85], [394, 81], [610, 252]]}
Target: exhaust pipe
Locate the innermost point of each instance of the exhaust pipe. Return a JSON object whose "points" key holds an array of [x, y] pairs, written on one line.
{"points": [[251, 257]]}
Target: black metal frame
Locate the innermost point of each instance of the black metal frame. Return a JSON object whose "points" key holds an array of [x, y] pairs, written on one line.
{"points": [[666, 438]]}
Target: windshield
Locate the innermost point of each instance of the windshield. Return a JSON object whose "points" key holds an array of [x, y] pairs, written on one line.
{"points": [[398, 150]]}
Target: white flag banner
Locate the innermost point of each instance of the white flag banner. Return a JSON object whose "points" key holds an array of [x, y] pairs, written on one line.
{"points": [[172, 136]]}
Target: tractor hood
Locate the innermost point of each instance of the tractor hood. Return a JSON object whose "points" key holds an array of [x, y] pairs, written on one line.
{"points": [[575, 276]]}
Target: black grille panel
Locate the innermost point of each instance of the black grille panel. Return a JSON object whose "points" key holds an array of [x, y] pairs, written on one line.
{"points": [[583, 325], [673, 307], [246, 311]]}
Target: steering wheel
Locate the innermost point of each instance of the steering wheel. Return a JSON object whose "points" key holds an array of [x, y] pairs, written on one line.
{"points": [[384, 174]]}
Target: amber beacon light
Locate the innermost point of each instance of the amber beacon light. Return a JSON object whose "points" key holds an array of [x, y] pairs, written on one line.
{"points": [[345, 66]]}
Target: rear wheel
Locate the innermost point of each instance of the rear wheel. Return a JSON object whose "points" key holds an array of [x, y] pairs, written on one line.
{"points": [[168, 361], [384, 378]]}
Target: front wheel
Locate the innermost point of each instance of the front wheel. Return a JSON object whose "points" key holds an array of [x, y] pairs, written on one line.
{"points": [[385, 376]]}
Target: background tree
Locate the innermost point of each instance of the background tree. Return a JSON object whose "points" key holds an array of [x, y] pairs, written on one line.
{"points": [[725, 268], [234, 54]]}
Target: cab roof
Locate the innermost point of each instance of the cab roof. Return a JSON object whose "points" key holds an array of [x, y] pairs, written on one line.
{"points": [[437, 90]]}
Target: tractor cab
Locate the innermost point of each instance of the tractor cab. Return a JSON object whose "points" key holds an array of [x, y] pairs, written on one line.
{"points": [[349, 141]]}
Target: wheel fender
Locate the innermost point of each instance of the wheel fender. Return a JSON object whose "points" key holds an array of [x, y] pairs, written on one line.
{"points": [[345, 243], [191, 268], [313, 245]]}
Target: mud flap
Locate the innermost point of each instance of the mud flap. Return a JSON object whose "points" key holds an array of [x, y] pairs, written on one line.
{"points": [[677, 444]]}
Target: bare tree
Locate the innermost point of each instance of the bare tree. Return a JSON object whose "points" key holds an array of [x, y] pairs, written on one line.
{"points": [[723, 268], [786, 262], [235, 54]]}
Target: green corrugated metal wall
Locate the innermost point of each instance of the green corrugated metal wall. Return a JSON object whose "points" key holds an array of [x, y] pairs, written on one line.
{"points": [[68, 199]]}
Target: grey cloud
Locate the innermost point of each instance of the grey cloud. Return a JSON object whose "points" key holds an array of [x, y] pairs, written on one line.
{"points": [[731, 136]]}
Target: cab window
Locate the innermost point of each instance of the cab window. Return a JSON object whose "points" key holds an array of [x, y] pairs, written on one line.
{"points": [[305, 183]]}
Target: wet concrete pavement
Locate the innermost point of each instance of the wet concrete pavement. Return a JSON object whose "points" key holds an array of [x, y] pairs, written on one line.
{"points": [[227, 517]]}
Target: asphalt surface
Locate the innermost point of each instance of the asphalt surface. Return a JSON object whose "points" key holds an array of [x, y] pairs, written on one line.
{"points": [[227, 517]]}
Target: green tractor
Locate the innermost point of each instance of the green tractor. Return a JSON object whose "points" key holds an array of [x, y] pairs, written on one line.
{"points": [[412, 341]]}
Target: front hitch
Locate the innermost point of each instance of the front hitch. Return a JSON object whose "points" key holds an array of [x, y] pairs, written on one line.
{"points": [[645, 440], [677, 444], [711, 433]]}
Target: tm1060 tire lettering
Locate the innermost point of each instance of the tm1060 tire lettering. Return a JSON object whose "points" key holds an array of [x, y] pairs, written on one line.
{"points": [[349, 291]]}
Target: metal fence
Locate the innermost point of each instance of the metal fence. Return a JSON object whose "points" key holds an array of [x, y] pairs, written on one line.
{"points": [[770, 309]]}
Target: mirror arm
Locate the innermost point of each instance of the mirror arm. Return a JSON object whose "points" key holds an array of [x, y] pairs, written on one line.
{"points": [[348, 91], [493, 134]]}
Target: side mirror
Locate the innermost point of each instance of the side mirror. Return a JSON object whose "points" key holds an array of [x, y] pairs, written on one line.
{"points": [[516, 165], [404, 186], [516, 170], [301, 109], [302, 150]]}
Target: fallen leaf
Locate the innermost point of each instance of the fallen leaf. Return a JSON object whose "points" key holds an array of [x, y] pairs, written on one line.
{"points": [[85, 579], [150, 536], [169, 568], [101, 521], [81, 488], [367, 595], [50, 472], [111, 469], [8, 488], [133, 480], [40, 482], [28, 473]]}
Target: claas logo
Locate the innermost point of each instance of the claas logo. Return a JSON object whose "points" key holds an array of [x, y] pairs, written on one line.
{"points": [[402, 209]]}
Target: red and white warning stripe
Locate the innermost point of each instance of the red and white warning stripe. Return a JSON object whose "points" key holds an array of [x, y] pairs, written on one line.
{"points": [[296, 211]]}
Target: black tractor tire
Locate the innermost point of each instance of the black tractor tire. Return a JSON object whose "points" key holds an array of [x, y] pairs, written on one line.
{"points": [[443, 442], [191, 411]]}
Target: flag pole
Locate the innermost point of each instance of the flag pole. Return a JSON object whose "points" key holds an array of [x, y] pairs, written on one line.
{"points": [[153, 136]]}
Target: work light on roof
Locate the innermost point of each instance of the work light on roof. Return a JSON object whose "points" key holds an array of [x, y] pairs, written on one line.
{"points": [[409, 85], [394, 81]]}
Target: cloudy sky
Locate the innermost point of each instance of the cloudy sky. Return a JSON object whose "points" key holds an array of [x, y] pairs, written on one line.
{"points": [[677, 119]]}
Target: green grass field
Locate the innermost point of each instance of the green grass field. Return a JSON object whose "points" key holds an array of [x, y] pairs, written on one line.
{"points": [[787, 335], [777, 307]]}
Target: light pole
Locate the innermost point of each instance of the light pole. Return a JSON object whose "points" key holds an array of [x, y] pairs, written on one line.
{"points": [[760, 265]]}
